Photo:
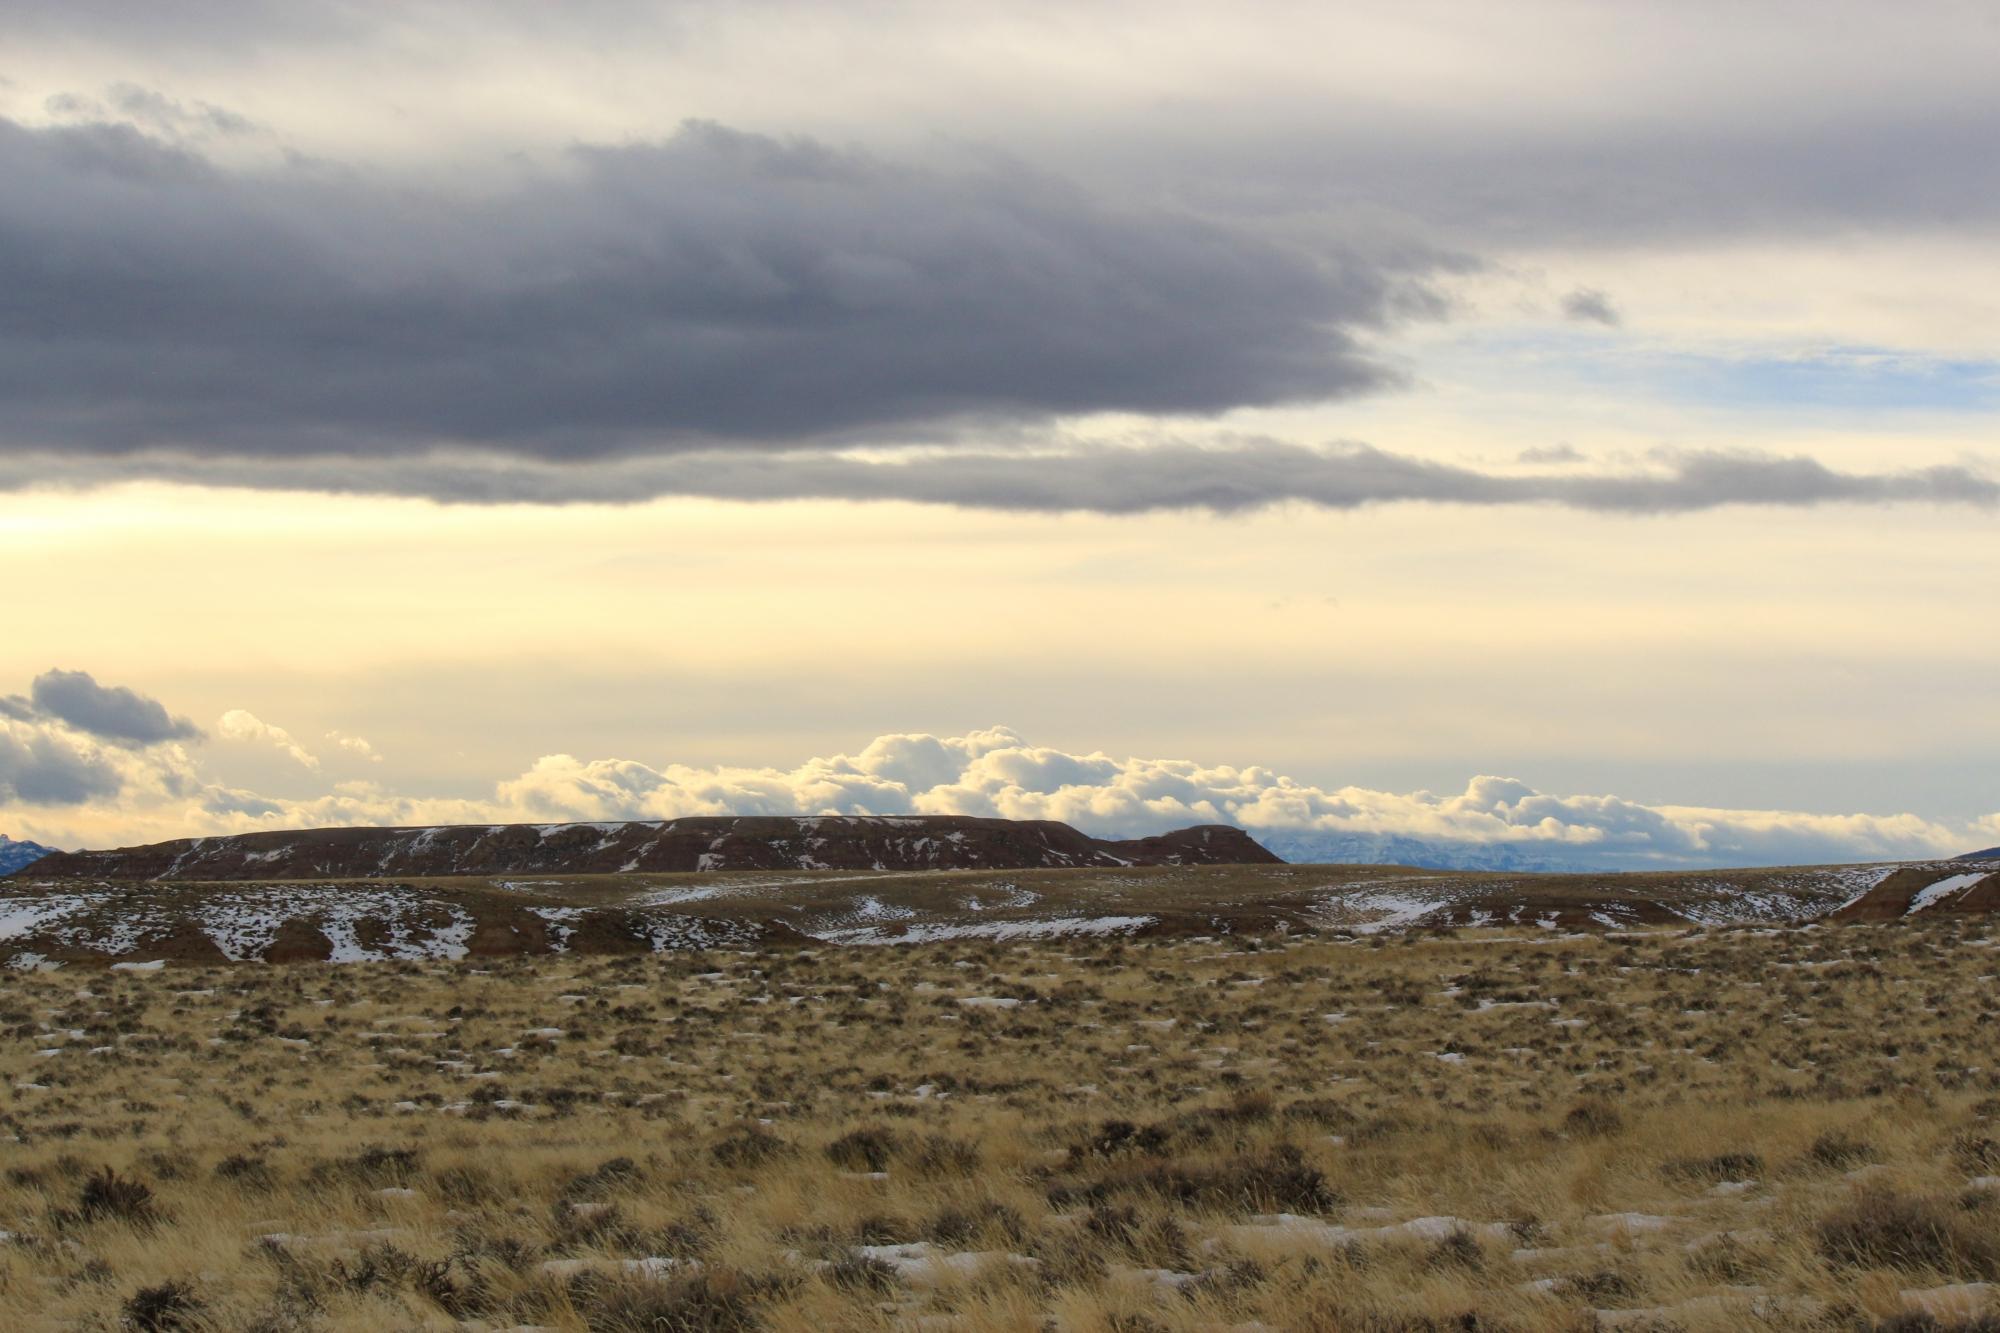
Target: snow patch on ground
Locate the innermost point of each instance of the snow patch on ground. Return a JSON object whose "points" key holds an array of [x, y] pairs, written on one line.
{"points": [[688, 893], [989, 930], [1397, 913], [25, 916], [1291, 1226], [243, 926], [922, 1263], [409, 935], [1945, 888], [558, 919]]}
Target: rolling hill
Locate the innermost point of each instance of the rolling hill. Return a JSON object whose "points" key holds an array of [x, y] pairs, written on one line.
{"points": [[479, 891], [1938, 890], [46, 919]]}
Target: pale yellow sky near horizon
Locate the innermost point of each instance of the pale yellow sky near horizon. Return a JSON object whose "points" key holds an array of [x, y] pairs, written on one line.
{"points": [[1329, 644]]}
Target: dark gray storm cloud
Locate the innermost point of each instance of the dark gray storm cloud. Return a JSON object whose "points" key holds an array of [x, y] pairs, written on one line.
{"points": [[1254, 474], [713, 288], [1838, 170], [37, 768], [108, 712], [1566, 123], [70, 740]]}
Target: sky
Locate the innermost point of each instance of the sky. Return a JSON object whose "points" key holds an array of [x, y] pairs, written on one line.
{"points": [[1560, 426]]}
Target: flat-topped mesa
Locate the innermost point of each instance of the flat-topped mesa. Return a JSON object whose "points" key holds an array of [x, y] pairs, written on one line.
{"points": [[722, 842]]}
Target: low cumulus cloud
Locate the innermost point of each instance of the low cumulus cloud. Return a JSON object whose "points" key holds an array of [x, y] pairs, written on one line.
{"points": [[108, 712], [55, 779], [72, 742], [714, 288], [359, 746], [45, 766], [77, 753], [242, 725], [997, 773], [1240, 477]]}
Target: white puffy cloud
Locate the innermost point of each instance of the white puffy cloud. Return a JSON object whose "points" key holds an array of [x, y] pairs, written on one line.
{"points": [[993, 772], [75, 746], [242, 725], [997, 773], [55, 778], [355, 745], [223, 809]]}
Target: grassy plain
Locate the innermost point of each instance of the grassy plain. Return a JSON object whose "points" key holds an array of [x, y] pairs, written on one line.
{"points": [[1710, 1129]]}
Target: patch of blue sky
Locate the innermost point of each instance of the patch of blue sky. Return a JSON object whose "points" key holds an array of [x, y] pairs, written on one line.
{"points": [[1834, 379], [1848, 378]]}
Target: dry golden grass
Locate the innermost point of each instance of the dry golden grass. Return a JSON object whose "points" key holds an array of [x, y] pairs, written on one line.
{"points": [[1772, 1128]]}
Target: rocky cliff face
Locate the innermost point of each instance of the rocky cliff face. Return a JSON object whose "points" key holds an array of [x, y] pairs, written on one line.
{"points": [[891, 842]]}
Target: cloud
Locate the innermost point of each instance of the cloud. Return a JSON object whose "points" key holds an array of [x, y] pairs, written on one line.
{"points": [[1565, 121], [153, 110], [143, 795], [110, 712], [1243, 476], [715, 288], [1586, 305], [240, 725], [71, 742], [355, 745], [44, 766], [997, 773], [156, 110]]}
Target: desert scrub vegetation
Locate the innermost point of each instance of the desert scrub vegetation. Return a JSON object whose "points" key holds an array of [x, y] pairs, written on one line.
{"points": [[1710, 1129]]}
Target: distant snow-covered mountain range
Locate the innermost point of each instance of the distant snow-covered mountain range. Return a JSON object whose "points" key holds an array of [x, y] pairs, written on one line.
{"points": [[1310, 847], [1323, 848], [14, 855]]}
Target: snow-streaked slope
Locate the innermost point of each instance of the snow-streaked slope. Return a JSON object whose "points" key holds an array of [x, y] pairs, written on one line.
{"points": [[46, 919]]}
